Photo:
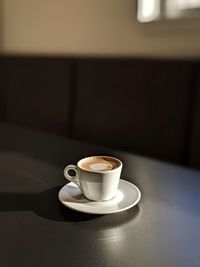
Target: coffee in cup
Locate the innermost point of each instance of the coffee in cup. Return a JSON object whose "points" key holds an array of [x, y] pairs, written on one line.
{"points": [[97, 177], [99, 163]]}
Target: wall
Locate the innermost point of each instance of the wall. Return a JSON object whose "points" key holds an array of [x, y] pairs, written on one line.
{"points": [[1, 25], [107, 27]]}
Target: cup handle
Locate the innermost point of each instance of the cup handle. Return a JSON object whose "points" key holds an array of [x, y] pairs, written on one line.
{"points": [[74, 179]]}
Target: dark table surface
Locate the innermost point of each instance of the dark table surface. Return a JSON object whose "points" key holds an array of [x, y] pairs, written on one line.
{"points": [[36, 230]]}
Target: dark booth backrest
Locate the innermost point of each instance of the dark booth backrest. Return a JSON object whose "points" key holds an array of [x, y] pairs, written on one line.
{"points": [[37, 93], [145, 106], [135, 105], [194, 157]]}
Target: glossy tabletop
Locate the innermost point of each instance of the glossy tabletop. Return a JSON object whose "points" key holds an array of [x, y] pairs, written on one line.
{"points": [[36, 230]]}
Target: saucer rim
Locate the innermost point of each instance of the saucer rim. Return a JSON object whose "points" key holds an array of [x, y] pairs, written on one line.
{"points": [[104, 213]]}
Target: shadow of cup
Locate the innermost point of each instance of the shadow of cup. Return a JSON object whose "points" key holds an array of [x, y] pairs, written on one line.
{"points": [[47, 205]]}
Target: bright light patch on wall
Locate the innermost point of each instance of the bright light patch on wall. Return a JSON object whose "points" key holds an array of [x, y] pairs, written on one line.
{"points": [[152, 10], [148, 10], [187, 4], [178, 8]]}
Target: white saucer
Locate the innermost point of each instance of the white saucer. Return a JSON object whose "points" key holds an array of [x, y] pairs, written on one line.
{"points": [[128, 195]]}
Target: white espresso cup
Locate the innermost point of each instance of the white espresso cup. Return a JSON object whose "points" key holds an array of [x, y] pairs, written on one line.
{"points": [[97, 177]]}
